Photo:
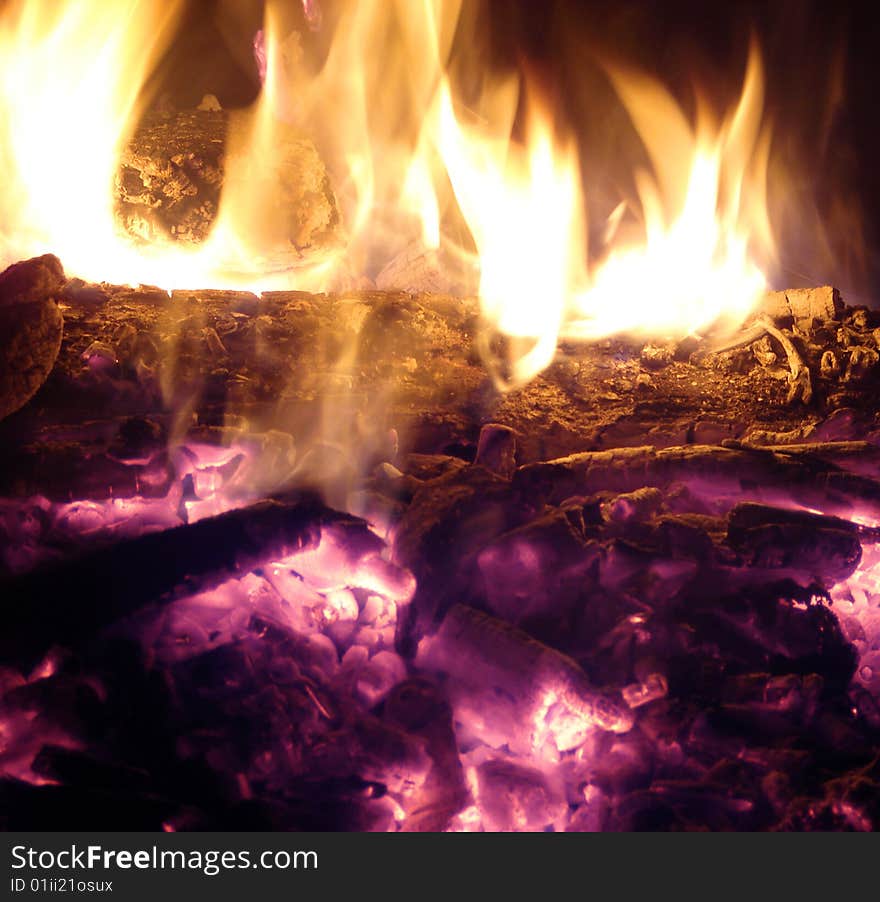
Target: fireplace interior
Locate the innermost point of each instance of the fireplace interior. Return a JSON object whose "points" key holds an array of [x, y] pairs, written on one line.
{"points": [[355, 476]]}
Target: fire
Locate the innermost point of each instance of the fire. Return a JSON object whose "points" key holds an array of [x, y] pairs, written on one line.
{"points": [[524, 208], [70, 75], [690, 265], [704, 214], [386, 113]]}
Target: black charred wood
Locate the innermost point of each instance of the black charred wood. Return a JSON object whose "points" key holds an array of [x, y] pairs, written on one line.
{"points": [[80, 769], [719, 476], [73, 601], [826, 547], [24, 806]]}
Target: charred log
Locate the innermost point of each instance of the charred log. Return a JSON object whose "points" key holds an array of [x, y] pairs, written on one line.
{"points": [[719, 476], [73, 600], [278, 360]]}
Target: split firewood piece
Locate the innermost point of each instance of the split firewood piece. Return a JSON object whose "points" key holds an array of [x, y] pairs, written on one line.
{"points": [[509, 688], [799, 304], [170, 175], [417, 268], [31, 325], [719, 476], [173, 170], [73, 600]]}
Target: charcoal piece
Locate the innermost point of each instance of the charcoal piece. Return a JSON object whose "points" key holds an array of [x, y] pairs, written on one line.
{"points": [[861, 363], [856, 797], [430, 466], [450, 520], [687, 805], [849, 801], [67, 603], [31, 326], [539, 569], [61, 471], [638, 505], [422, 709], [626, 763], [375, 752], [783, 636], [138, 439], [652, 688], [508, 688]]}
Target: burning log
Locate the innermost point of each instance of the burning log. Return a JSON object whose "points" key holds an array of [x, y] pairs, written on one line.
{"points": [[279, 359], [72, 601], [172, 172], [30, 328]]}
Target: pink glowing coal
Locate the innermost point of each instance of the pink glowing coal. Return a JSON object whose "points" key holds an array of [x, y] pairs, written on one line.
{"points": [[532, 736]]}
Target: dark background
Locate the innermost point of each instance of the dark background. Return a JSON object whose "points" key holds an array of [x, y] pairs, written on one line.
{"points": [[822, 63]]}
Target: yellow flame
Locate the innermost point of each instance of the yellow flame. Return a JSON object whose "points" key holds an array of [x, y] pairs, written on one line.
{"points": [[524, 209], [704, 214], [382, 107], [70, 76]]}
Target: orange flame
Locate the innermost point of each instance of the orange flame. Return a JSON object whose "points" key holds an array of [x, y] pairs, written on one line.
{"points": [[385, 113]]}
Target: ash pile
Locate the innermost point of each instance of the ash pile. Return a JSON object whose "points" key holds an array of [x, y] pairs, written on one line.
{"points": [[669, 636]]}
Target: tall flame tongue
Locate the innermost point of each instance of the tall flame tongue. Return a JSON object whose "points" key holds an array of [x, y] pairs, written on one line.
{"points": [[525, 211], [703, 214], [388, 122]]}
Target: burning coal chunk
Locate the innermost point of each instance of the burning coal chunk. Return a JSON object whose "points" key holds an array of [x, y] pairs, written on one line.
{"points": [[173, 170], [390, 760], [509, 689], [541, 568], [513, 798], [420, 707], [826, 549], [30, 328]]}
